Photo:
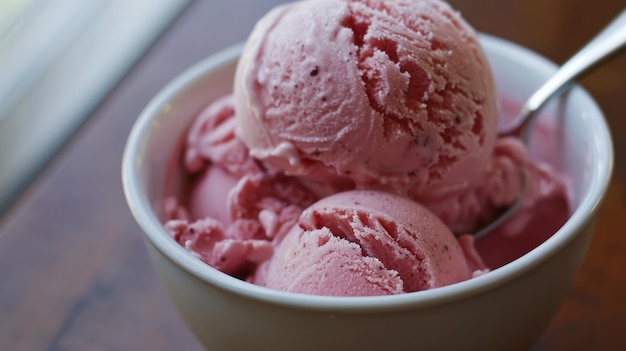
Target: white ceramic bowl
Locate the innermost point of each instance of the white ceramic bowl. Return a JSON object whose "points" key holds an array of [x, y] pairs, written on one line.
{"points": [[506, 309]]}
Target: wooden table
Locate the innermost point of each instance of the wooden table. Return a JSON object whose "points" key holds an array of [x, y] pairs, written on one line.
{"points": [[74, 274]]}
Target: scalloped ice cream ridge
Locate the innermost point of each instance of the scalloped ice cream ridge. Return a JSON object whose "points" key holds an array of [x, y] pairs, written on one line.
{"points": [[358, 137]]}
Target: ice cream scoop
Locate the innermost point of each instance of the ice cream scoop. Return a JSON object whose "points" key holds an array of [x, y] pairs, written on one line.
{"points": [[362, 242], [393, 94], [610, 41]]}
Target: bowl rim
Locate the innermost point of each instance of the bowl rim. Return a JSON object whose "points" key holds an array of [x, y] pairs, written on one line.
{"points": [[154, 231]]}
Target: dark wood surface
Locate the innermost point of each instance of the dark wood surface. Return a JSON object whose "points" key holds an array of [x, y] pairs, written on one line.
{"points": [[74, 274]]}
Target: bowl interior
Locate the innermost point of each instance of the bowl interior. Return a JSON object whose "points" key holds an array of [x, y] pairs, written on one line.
{"points": [[581, 144]]}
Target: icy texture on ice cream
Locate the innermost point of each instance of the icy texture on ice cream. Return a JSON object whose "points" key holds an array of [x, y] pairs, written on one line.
{"points": [[361, 243], [391, 93], [232, 209]]}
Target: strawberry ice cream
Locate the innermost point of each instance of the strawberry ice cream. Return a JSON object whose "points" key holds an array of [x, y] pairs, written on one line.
{"points": [[357, 148], [396, 94], [361, 243]]}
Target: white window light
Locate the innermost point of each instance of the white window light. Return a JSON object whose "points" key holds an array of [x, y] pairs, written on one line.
{"points": [[58, 59]]}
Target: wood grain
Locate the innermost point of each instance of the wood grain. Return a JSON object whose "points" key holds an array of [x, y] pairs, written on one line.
{"points": [[74, 274]]}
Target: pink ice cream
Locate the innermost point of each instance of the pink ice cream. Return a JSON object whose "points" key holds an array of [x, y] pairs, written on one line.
{"points": [[391, 93], [361, 243], [351, 150], [232, 209]]}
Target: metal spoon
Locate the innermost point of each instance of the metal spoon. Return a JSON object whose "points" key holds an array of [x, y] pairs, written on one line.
{"points": [[603, 46]]}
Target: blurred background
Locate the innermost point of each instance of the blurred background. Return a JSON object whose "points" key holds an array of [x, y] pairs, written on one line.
{"points": [[74, 75], [58, 60]]}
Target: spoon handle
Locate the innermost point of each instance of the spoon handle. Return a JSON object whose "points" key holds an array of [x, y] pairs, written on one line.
{"points": [[604, 45]]}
